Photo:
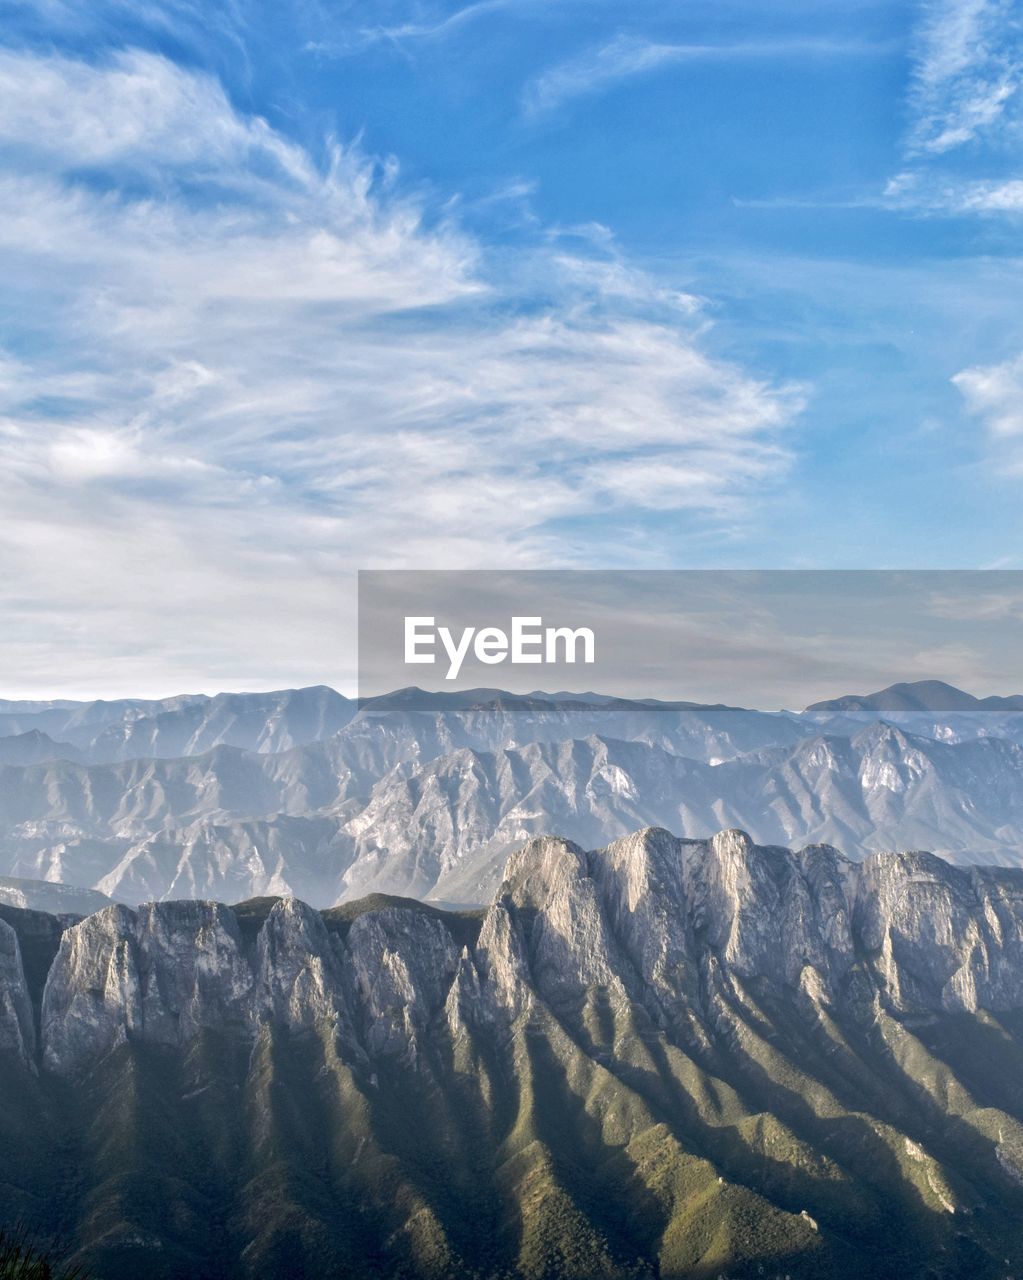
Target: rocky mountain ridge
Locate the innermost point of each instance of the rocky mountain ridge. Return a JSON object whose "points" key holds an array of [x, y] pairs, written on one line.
{"points": [[662, 1058], [317, 822], [652, 916], [108, 732], [134, 728]]}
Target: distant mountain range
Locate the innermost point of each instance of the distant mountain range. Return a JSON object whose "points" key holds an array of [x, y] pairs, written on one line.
{"points": [[306, 792], [660, 1060], [130, 729]]}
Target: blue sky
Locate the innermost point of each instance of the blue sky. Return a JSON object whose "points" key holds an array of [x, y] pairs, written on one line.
{"points": [[293, 289]]}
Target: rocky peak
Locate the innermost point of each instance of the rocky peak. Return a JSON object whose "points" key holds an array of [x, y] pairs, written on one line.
{"points": [[403, 963], [549, 886]]}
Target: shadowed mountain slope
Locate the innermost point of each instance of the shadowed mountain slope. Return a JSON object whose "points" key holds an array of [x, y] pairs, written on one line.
{"points": [[664, 1058]]}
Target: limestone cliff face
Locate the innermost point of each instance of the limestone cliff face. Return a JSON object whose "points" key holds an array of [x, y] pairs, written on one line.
{"points": [[652, 912], [947, 938], [166, 972], [663, 922], [298, 970], [17, 1032], [401, 966], [160, 974]]}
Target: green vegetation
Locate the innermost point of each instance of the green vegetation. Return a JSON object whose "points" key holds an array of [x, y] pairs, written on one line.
{"points": [[549, 1156], [464, 926], [755, 1136]]}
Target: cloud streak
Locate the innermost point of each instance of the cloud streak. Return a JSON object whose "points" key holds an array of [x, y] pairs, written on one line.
{"points": [[440, 27], [931, 193], [965, 94], [627, 57]]}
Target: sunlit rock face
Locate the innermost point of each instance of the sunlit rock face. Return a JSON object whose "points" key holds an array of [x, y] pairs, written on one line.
{"points": [[650, 918], [159, 974]]}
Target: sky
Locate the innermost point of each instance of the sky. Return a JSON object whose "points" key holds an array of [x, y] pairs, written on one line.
{"points": [[294, 289]]}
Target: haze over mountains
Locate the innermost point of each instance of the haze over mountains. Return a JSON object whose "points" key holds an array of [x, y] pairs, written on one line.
{"points": [[306, 792], [664, 1058]]}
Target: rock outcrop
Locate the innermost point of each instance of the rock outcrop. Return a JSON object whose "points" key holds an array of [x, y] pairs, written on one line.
{"points": [[646, 919]]}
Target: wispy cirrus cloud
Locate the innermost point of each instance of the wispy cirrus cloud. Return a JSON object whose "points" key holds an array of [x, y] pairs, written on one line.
{"points": [[968, 72], [977, 605], [417, 24], [241, 370], [966, 93], [993, 395], [138, 110], [628, 56]]}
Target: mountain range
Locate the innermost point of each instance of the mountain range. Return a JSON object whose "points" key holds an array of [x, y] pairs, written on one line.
{"points": [[307, 793], [663, 1058]]}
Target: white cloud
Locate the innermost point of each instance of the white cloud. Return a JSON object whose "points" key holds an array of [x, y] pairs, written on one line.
{"points": [[190, 23], [966, 90], [966, 87], [242, 374], [596, 69], [138, 109], [968, 71], [990, 197]]}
